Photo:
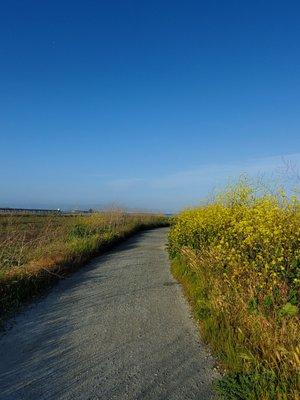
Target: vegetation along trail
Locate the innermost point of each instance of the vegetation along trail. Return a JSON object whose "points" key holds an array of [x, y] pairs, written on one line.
{"points": [[117, 329]]}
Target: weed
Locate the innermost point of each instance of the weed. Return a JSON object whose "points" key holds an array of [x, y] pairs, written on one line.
{"points": [[238, 259]]}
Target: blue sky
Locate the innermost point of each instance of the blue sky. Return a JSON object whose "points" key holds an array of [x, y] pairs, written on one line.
{"points": [[144, 104]]}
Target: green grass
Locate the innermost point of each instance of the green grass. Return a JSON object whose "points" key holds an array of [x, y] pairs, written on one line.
{"points": [[37, 250], [245, 378]]}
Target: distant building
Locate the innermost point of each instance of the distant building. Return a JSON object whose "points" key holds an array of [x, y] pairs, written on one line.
{"points": [[11, 210]]}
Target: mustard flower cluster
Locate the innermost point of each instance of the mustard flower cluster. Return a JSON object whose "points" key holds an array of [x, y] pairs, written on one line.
{"points": [[245, 231]]}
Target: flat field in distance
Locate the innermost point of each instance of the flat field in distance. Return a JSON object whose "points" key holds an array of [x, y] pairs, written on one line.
{"points": [[35, 249]]}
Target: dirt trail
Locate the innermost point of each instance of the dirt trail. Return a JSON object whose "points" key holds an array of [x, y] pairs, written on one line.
{"points": [[117, 329]]}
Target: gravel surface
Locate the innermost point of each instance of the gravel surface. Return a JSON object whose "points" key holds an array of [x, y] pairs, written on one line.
{"points": [[119, 328]]}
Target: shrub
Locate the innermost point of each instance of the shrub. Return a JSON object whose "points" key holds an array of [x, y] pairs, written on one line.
{"points": [[241, 258]]}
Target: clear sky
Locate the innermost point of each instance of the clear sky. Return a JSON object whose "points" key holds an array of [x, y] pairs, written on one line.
{"points": [[147, 104]]}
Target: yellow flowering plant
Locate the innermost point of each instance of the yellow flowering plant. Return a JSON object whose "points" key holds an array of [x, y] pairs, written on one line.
{"points": [[240, 255]]}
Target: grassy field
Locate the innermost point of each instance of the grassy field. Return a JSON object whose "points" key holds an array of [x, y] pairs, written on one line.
{"points": [[35, 250], [239, 261]]}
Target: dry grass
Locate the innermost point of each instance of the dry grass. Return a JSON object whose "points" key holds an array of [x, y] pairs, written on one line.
{"points": [[35, 250]]}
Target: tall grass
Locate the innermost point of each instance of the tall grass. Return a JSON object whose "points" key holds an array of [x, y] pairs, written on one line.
{"points": [[239, 260], [35, 250]]}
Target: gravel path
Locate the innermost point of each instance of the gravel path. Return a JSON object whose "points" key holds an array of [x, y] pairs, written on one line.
{"points": [[117, 329]]}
